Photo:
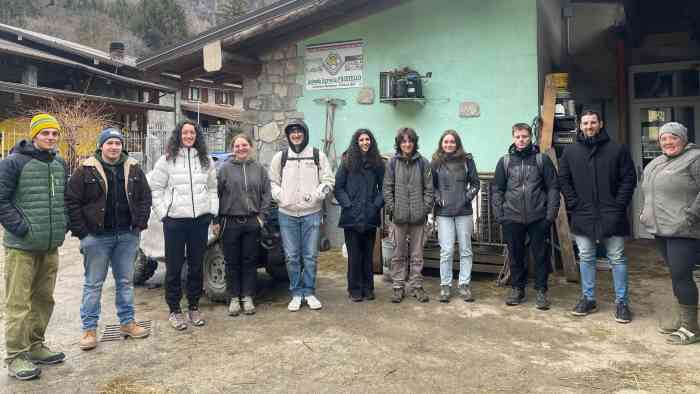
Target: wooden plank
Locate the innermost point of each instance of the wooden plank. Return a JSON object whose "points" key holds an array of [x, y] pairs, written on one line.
{"points": [[566, 247], [548, 102]]}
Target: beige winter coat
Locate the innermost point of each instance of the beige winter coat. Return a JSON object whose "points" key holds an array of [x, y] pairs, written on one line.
{"points": [[672, 195]]}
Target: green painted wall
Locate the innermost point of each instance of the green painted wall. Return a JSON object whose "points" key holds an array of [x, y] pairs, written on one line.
{"points": [[482, 51]]}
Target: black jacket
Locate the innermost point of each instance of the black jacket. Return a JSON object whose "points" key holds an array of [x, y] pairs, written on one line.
{"points": [[597, 178], [455, 182], [525, 194], [86, 198], [359, 194]]}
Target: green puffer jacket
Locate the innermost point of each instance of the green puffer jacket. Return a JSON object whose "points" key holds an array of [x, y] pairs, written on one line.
{"points": [[408, 189], [672, 195], [31, 198]]}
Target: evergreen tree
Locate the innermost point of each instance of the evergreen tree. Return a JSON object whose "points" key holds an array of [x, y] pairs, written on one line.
{"points": [[230, 9], [15, 12], [159, 23]]}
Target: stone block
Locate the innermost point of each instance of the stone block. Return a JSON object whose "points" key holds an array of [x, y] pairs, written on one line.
{"points": [[293, 66], [275, 103], [274, 68], [255, 104], [278, 116], [290, 104], [469, 109], [249, 116], [290, 79], [280, 90], [295, 90], [265, 88], [365, 95], [264, 117], [250, 88], [294, 115], [274, 78]]}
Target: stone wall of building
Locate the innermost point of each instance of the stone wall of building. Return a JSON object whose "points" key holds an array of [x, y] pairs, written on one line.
{"points": [[270, 100]]}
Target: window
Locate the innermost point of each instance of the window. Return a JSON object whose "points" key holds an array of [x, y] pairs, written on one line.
{"points": [[675, 83], [194, 94]]}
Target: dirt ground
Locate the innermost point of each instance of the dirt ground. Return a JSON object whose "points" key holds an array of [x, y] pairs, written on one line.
{"points": [[376, 346]]}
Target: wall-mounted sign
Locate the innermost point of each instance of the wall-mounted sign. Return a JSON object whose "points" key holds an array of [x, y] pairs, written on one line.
{"points": [[335, 65]]}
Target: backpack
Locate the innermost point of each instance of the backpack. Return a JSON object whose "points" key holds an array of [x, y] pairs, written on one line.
{"points": [[538, 159], [316, 159]]}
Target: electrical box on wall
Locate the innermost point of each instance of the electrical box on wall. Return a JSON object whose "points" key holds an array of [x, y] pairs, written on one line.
{"points": [[401, 85]]}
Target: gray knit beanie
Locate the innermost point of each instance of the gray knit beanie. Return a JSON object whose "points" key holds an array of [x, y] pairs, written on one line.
{"points": [[676, 129]]}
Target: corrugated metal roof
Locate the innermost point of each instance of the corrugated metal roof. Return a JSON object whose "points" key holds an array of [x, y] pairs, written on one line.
{"points": [[21, 50], [79, 49]]}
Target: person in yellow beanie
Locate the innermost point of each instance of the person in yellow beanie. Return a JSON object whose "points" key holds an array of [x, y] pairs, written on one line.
{"points": [[42, 122], [32, 180]]}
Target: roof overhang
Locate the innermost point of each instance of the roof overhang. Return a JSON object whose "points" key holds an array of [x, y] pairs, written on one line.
{"points": [[244, 38], [212, 110], [35, 91], [13, 48]]}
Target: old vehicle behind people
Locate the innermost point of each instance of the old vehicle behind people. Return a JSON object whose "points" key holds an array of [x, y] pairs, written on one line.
{"points": [[152, 252]]}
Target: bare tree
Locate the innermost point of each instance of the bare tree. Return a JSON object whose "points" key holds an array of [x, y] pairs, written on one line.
{"points": [[81, 121]]}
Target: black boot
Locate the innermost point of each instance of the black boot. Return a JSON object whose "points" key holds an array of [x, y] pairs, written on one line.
{"points": [[516, 296]]}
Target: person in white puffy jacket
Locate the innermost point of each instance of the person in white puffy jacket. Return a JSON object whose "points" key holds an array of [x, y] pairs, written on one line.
{"points": [[184, 190]]}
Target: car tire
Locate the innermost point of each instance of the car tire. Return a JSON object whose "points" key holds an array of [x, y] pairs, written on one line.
{"points": [[215, 273], [144, 268], [276, 265]]}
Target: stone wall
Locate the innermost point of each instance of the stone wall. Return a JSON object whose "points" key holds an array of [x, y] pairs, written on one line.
{"points": [[270, 100]]}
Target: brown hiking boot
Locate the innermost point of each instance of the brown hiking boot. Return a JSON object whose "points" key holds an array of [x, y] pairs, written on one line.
{"points": [[88, 340], [133, 330]]}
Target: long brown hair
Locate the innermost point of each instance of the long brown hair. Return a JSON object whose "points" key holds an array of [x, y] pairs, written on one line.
{"points": [[440, 155]]}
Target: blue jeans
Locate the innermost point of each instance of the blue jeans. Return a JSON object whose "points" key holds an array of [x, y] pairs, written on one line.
{"points": [[99, 252], [615, 250], [300, 239], [449, 228]]}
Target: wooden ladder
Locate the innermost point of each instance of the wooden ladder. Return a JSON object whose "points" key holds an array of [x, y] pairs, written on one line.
{"points": [[566, 247]]}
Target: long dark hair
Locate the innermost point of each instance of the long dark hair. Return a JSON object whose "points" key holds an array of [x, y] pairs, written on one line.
{"points": [[407, 132], [352, 158], [175, 143], [439, 156]]}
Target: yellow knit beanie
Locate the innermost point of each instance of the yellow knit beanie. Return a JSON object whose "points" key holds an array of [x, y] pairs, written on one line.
{"points": [[41, 122]]}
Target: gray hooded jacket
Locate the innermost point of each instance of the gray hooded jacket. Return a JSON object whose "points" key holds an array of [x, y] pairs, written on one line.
{"points": [[408, 192], [671, 189]]}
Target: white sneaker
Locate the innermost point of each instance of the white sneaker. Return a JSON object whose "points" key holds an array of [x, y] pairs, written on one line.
{"points": [[313, 302], [294, 304]]}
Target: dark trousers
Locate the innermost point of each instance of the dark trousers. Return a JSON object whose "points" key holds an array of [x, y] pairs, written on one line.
{"points": [[181, 234], [681, 254], [360, 252], [538, 233], [240, 244]]}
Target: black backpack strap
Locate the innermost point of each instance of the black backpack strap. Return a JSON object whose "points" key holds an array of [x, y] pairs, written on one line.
{"points": [[283, 162], [506, 159], [538, 159]]}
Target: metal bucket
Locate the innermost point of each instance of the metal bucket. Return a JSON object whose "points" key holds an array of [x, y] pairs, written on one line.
{"points": [[387, 254]]}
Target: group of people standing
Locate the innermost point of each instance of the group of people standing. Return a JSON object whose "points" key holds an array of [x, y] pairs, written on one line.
{"points": [[108, 200]]}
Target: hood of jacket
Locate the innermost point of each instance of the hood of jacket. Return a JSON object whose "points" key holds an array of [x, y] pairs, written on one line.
{"points": [[26, 147], [600, 138], [302, 125], [529, 150]]}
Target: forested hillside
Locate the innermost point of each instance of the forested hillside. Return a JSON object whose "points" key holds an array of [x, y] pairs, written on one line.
{"points": [[143, 25]]}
